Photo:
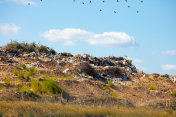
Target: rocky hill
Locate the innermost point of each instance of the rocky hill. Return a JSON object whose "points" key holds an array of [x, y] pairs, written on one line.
{"points": [[41, 74]]}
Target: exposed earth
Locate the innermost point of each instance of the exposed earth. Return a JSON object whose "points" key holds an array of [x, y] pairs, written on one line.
{"points": [[105, 84]]}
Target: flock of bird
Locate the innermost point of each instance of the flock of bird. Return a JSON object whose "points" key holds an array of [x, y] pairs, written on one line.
{"points": [[103, 1]]}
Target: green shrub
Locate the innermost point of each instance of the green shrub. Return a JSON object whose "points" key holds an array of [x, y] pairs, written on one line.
{"points": [[43, 49], [32, 47], [152, 87], [50, 87], [32, 71], [47, 86], [22, 65], [15, 72], [174, 92], [27, 75], [107, 90], [20, 74], [14, 47], [24, 88], [110, 83], [7, 80], [36, 86]]}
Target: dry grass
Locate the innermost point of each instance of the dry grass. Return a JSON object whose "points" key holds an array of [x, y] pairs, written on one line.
{"points": [[36, 109]]}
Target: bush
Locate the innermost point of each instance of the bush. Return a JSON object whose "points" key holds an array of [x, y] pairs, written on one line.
{"points": [[22, 65], [110, 83], [50, 87], [152, 87], [15, 47], [32, 47], [15, 72], [47, 86], [7, 80], [107, 90], [35, 85], [24, 88], [43, 49], [27, 74], [32, 71], [174, 92], [20, 74]]}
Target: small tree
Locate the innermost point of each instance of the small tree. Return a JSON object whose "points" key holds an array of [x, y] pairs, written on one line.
{"points": [[43, 49]]}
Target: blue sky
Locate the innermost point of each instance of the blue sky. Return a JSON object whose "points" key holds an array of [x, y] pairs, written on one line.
{"points": [[147, 37]]}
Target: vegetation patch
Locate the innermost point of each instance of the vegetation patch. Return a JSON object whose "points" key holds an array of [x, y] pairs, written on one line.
{"points": [[174, 92], [16, 47], [152, 87], [25, 73], [7, 80], [110, 83], [114, 94], [36, 109], [48, 86]]}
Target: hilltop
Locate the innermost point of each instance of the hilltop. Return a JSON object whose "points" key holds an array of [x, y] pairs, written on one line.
{"points": [[32, 72]]}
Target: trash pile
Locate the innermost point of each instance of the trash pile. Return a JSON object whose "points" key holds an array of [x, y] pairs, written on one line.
{"points": [[100, 68], [116, 69]]}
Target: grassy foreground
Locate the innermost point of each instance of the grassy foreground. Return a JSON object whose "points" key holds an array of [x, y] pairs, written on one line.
{"points": [[36, 109]]}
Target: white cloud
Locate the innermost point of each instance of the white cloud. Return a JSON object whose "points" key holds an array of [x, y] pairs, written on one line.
{"points": [[23, 2], [168, 67], [8, 29], [70, 36], [169, 52]]}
